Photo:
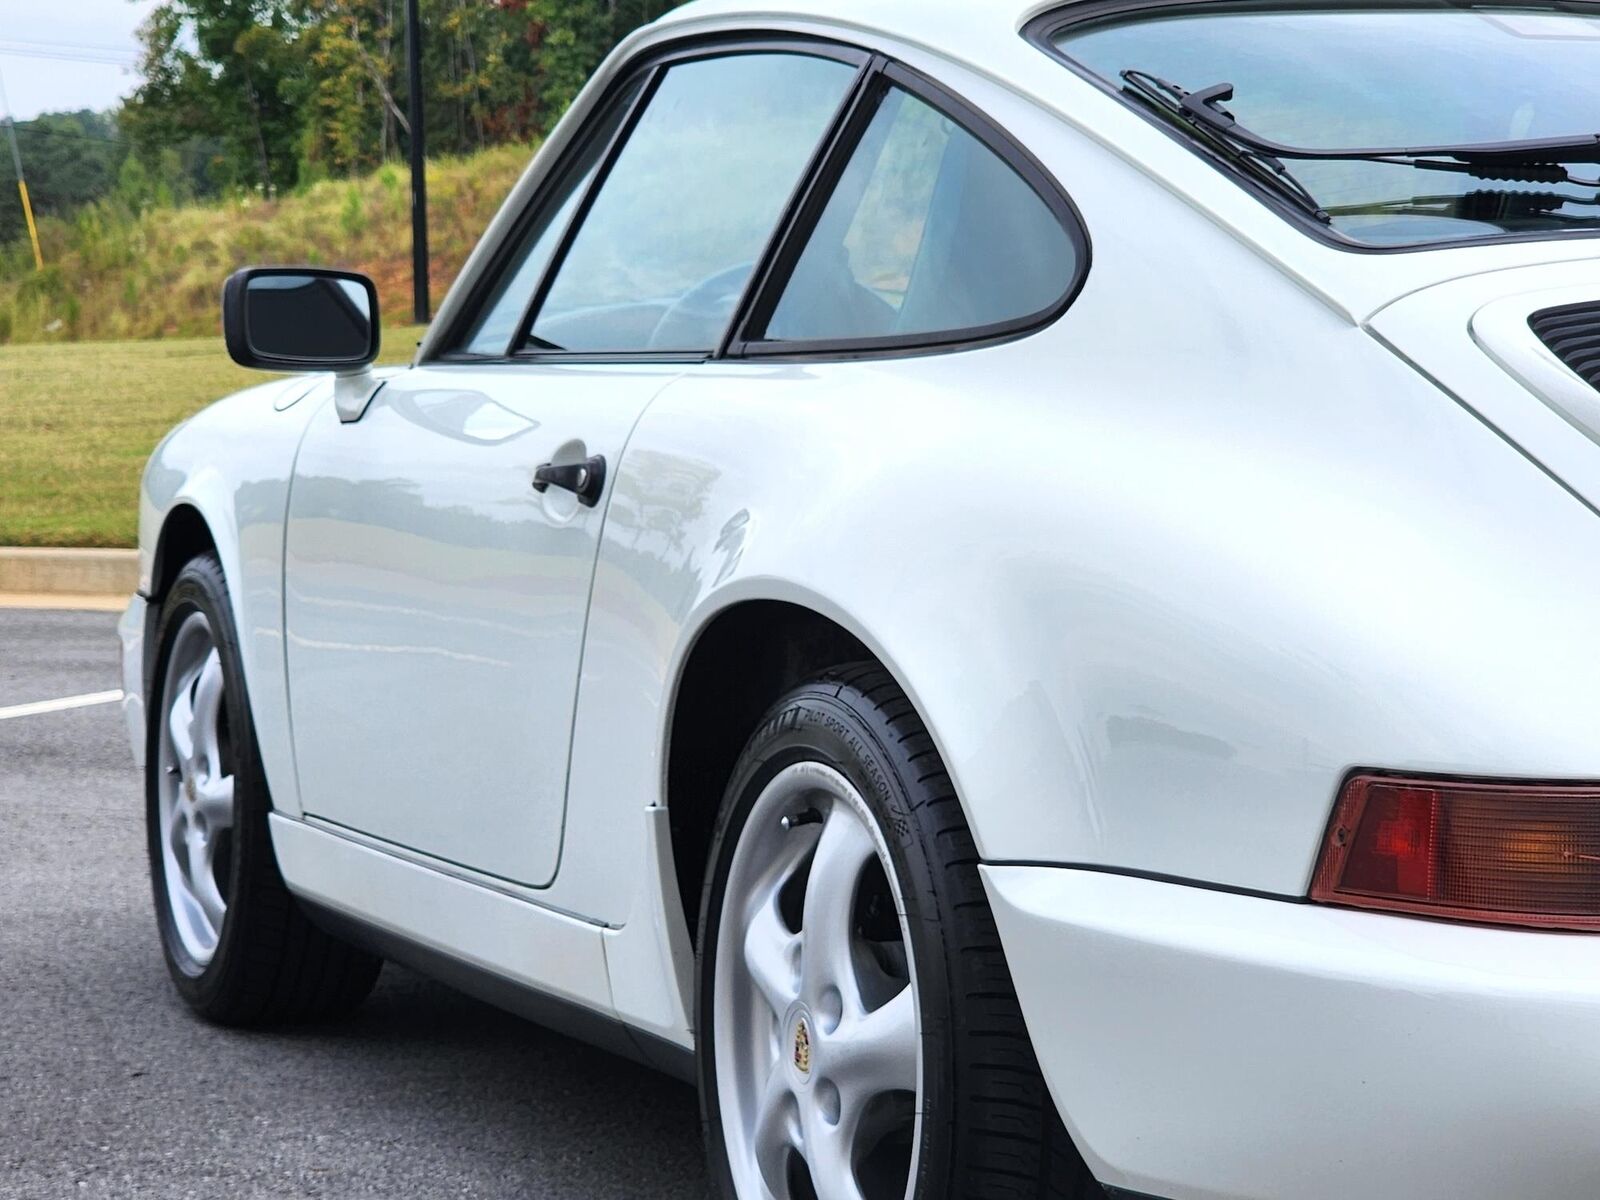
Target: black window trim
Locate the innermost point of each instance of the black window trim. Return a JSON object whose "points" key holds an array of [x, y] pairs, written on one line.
{"points": [[1043, 30], [802, 212], [792, 239], [645, 73], [505, 260]]}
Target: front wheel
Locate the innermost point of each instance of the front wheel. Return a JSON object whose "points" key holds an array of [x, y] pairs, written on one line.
{"points": [[860, 1039], [238, 948]]}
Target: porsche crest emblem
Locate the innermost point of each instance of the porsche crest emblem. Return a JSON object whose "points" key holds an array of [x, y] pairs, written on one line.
{"points": [[802, 1047]]}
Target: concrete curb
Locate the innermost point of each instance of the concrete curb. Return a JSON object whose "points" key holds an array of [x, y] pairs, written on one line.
{"points": [[46, 572]]}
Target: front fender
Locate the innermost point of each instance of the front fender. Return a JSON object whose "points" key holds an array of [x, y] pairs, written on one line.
{"points": [[231, 464]]}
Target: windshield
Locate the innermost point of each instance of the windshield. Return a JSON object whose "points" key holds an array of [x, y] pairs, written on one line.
{"points": [[1384, 75]]}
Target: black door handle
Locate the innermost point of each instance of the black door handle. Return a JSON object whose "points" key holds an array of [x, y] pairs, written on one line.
{"points": [[585, 480]]}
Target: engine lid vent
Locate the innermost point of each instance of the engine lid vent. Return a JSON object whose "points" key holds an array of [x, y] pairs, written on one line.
{"points": [[1573, 334]]}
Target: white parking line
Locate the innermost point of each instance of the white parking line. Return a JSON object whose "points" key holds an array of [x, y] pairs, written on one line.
{"points": [[50, 706]]}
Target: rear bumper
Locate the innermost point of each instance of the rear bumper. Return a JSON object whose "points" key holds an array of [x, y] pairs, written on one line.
{"points": [[1209, 1046], [131, 632]]}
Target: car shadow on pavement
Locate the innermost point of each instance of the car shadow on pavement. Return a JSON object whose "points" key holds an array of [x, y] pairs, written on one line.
{"points": [[542, 1109], [110, 1086]]}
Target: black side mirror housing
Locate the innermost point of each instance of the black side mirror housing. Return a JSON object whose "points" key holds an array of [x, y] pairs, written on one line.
{"points": [[300, 319]]}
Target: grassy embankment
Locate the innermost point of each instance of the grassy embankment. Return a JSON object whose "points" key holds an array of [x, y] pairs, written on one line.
{"points": [[113, 275], [79, 417]]}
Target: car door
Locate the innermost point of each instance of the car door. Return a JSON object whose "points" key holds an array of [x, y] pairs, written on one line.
{"points": [[435, 597]]}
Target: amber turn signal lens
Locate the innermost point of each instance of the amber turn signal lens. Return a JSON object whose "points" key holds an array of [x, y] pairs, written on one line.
{"points": [[1504, 853]]}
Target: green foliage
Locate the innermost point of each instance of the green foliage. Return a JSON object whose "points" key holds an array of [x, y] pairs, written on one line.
{"points": [[275, 130], [70, 159], [265, 99], [225, 70], [118, 270], [297, 90], [353, 217]]}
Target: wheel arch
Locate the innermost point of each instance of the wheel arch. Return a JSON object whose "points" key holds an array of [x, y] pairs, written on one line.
{"points": [[185, 535], [191, 506], [741, 658]]}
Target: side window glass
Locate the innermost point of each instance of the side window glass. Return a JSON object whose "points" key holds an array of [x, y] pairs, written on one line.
{"points": [[497, 322], [929, 232], [682, 217]]}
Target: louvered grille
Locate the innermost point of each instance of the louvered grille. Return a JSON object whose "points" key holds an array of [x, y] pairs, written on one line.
{"points": [[1573, 334]]}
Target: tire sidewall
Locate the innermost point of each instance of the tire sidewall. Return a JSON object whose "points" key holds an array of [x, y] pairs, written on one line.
{"points": [[200, 588], [817, 725]]}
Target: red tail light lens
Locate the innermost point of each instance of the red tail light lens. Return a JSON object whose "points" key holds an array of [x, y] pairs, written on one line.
{"points": [[1505, 853]]}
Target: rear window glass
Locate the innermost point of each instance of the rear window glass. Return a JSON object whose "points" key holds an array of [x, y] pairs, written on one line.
{"points": [[1382, 76]]}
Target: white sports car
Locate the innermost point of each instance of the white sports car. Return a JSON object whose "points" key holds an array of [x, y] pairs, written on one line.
{"points": [[1010, 588]]}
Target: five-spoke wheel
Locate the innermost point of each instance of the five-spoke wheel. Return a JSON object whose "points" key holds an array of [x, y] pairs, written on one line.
{"points": [[859, 1038], [195, 789], [818, 1046], [240, 950]]}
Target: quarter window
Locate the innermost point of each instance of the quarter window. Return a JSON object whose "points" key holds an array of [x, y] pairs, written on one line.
{"points": [[929, 234], [681, 219]]}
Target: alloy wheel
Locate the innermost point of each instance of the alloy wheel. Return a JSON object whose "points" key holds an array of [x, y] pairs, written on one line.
{"points": [[816, 1022], [195, 790]]}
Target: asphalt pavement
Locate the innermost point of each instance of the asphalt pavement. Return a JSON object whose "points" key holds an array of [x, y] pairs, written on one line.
{"points": [[110, 1087]]}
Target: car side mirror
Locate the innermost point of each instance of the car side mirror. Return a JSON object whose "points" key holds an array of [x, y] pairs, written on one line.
{"points": [[300, 319]]}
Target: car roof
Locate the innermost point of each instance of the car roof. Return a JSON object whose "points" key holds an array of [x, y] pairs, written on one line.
{"points": [[959, 29], [921, 17]]}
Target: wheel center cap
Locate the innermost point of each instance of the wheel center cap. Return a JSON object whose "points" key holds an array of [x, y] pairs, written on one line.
{"points": [[800, 1045]]}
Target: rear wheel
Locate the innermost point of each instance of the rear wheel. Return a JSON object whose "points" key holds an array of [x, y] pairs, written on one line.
{"points": [[860, 1038], [238, 947]]}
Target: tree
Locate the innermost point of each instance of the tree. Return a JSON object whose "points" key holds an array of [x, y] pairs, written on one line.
{"points": [[260, 94], [229, 70], [70, 159]]}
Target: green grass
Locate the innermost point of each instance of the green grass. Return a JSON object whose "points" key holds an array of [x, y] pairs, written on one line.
{"points": [[82, 404], [77, 423]]}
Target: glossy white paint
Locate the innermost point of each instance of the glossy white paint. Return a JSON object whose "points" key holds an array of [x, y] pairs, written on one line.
{"points": [[1226, 1046], [231, 465], [547, 951], [639, 974], [130, 633], [1142, 574], [436, 597], [1254, 512], [1457, 331]]}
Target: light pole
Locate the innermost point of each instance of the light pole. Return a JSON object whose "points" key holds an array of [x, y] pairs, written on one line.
{"points": [[22, 183], [419, 166]]}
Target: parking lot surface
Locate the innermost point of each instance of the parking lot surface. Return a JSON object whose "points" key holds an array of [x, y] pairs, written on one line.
{"points": [[109, 1087]]}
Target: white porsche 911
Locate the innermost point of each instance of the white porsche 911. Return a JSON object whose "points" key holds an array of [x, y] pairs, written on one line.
{"points": [[1012, 589]]}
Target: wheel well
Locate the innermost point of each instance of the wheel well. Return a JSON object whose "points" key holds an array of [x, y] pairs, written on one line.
{"points": [[184, 536], [748, 657]]}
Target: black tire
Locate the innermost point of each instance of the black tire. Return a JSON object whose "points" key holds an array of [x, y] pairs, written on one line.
{"points": [[271, 964], [990, 1130]]}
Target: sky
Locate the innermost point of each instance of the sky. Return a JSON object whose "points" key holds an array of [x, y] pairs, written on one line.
{"points": [[43, 44]]}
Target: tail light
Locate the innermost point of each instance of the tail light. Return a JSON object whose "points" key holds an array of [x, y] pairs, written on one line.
{"points": [[1505, 853]]}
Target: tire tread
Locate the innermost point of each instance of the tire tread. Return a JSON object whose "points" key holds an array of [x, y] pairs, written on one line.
{"points": [[1013, 1144], [1000, 1137]]}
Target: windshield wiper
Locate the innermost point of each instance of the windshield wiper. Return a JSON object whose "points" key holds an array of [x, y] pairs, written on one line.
{"points": [[1533, 161], [1263, 164], [1509, 210]]}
